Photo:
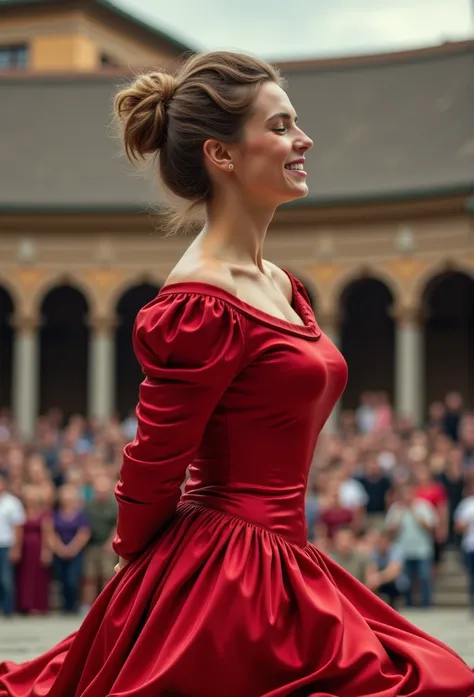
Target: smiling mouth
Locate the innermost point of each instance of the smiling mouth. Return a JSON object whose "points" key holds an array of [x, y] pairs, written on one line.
{"points": [[297, 169]]}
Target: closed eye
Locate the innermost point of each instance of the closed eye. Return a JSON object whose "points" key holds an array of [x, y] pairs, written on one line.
{"points": [[280, 129]]}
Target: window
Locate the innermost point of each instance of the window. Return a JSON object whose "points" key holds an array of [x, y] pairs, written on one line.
{"points": [[13, 57]]}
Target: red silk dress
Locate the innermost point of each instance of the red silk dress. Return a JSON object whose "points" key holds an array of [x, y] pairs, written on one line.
{"points": [[224, 597]]}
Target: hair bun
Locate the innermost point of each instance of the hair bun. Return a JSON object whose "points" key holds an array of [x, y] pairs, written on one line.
{"points": [[141, 108]]}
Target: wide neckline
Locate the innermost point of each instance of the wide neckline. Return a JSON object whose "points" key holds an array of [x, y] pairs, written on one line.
{"points": [[308, 329]]}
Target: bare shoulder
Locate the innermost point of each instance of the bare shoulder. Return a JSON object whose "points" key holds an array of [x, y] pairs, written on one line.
{"points": [[203, 272], [281, 279]]}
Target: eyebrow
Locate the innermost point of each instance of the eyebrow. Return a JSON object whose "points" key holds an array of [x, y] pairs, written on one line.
{"points": [[282, 115]]}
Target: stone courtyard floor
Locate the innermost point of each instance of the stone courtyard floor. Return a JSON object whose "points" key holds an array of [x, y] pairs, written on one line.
{"points": [[24, 638]]}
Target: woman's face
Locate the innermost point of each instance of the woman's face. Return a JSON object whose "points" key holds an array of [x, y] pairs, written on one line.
{"points": [[32, 496], [455, 460], [422, 473], [269, 162], [36, 470], [437, 411], [69, 496], [15, 459]]}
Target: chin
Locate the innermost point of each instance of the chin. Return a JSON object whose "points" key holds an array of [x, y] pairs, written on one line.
{"points": [[293, 195], [277, 197], [302, 193]]}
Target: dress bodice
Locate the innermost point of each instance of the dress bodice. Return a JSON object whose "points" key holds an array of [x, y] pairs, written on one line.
{"points": [[237, 395], [254, 458]]}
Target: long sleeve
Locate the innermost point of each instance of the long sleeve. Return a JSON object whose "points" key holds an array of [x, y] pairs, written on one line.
{"points": [[190, 348]]}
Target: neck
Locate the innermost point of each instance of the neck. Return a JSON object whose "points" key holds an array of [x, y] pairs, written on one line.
{"points": [[235, 231]]}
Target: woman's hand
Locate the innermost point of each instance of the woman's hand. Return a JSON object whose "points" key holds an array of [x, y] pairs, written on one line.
{"points": [[46, 557], [121, 564], [14, 554]]}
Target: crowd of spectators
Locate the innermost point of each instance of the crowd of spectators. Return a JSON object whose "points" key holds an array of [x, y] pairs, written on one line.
{"points": [[58, 512], [387, 500], [384, 499]]}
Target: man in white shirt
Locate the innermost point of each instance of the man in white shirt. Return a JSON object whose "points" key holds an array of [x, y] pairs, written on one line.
{"points": [[366, 413], [12, 517], [352, 494], [464, 522], [414, 521]]}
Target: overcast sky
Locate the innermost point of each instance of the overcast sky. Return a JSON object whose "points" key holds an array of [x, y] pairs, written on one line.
{"points": [[308, 28]]}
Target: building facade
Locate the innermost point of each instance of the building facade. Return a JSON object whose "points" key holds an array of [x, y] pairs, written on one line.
{"points": [[76, 36], [384, 243]]}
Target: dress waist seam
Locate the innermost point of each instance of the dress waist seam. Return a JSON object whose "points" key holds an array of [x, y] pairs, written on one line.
{"points": [[183, 505]]}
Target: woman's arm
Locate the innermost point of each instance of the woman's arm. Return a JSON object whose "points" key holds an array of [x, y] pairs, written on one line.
{"points": [[442, 530], [79, 541], [46, 540], [57, 546], [190, 348], [17, 546]]}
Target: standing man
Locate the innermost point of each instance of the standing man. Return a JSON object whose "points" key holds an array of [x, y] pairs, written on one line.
{"points": [[12, 517], [413, 522], [100, 560]]}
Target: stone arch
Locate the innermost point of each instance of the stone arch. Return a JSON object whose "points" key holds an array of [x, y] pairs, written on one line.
{"points": [[445, 266], [13, 291], [448, 310], [345, 280], [128, 371], [129, 283], [65, 279], [64, 349], [7, 310], [367, 338]]}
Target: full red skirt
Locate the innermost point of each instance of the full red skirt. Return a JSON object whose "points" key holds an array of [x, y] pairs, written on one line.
{"points": [[220, 607]]}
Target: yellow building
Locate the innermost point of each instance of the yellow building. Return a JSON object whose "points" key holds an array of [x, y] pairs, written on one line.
{"points": [[78, 36], [384, 243]]}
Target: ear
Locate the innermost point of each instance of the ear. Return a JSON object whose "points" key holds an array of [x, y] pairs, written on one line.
{"points": [[217, 154]]}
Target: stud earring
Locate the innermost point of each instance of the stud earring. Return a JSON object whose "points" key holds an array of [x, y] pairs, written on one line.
{"points": [[231, 166]]}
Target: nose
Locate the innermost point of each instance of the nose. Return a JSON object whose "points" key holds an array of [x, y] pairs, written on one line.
{"points": [[303, 143]]}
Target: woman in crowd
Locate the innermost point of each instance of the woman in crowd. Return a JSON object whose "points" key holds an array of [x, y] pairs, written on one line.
{"points": [[69, 537], [453, 479], [428, 489], [33, 572], [37, 474]]}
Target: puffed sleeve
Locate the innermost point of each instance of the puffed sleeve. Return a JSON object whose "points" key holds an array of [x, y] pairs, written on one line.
{"points": [[190, 348]]}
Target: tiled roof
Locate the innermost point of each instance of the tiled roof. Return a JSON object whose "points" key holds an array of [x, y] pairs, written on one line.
{"points": [[382, 129]]}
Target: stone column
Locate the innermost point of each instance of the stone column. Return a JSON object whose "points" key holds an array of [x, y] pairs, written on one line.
{"points": [[409, 364], [330, 323], [101, 388], [26, 374]]}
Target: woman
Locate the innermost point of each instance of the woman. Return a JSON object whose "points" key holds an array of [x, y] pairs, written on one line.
{"points": [[33, 573], [428, 489], [219, 593], [70, 534], [334, 514], [15, 471], [453, 480], [37, 475]]}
